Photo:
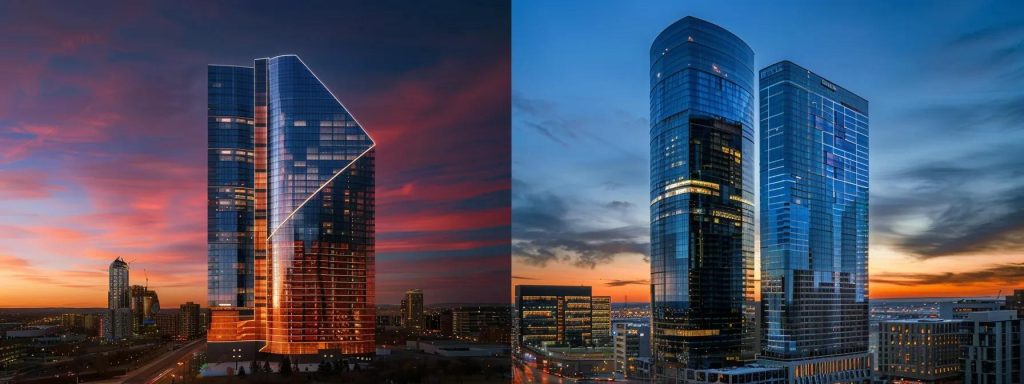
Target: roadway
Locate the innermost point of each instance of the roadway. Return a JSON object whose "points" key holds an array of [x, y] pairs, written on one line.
{"points": [[164, 365]]}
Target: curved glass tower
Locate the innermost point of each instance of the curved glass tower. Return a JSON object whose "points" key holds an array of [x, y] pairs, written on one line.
{"points": [[702, 189]]}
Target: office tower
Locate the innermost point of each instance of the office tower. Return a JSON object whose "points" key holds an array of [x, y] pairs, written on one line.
{"points": [[702, 188], [485, 324], [552, 316], [992, 351], [412, 310], [814, 226], [631, 342], [959, 309], [1015, 302], [601, 320], [291, 196], [923, 351], [188, 321], [117, 322]]}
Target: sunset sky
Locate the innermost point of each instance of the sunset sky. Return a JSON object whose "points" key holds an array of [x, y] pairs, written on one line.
{"points": [[944, 80], [103, 138]]}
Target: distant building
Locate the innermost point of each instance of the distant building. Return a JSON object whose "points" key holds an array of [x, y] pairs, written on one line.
{"points": [[412, 310], [188, 321], [552, 315], [992, 351], [601, 320], [87, 324], [485, 324], [11, 353], [961, 308], [1015, 302], [117, 322], [632, 341], [144, 303], [167, 324], [924, 351]]}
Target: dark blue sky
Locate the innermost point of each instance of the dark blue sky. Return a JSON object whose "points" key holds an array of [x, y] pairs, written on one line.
{"points": [[945, 82]]}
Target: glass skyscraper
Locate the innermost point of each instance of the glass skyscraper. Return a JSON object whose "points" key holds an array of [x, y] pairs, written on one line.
{"points": [[291, 213], [117, 320], [702, 191], [814, 226]]}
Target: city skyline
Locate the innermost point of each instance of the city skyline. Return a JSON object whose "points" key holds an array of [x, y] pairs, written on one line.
{"points": [[580, 167], [105, 156]]}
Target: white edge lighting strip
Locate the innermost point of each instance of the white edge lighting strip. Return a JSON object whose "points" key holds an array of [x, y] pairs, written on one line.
{"points": [[353, 161]]}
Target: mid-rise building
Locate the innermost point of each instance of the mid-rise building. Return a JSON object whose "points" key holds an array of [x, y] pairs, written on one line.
{"points": [[167, 324], [1015, 302], [117, 319], [747, 374], [925, 351], [188, 321], [552, 316], [601, 321], [701, 195], [959, 309], [291, 216], [412, 310], [814, 227], [992, 350], [632, 341], [485, 324]]}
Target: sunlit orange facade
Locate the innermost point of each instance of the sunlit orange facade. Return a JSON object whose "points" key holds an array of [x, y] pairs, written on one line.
{"points": [[312, 213]]}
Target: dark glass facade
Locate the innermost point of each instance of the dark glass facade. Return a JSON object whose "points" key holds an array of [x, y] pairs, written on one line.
{"points": [[814, 225], [291, 213], [702, 234], [230, 196]]}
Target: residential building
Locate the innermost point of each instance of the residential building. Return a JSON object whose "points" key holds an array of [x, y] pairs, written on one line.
{"points": [[412, 310], [814, 227], [992, 351], [1015, 302], [117, 319], [925, 351], [188, 321], [701, 195]]}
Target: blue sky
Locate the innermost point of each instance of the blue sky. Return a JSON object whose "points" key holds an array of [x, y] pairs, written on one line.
{"points": [[945, 81]]}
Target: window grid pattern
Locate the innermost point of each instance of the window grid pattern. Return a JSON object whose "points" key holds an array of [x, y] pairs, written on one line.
{"points": [[702, 239]]}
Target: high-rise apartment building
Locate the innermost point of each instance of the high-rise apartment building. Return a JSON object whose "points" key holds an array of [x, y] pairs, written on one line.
{"points": [[925, 351], [552, 316], [601, 321], [702, 191], [992, 349], [188, 321], [291, 215], [814, 226], [412, 310], [117, 320]]}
